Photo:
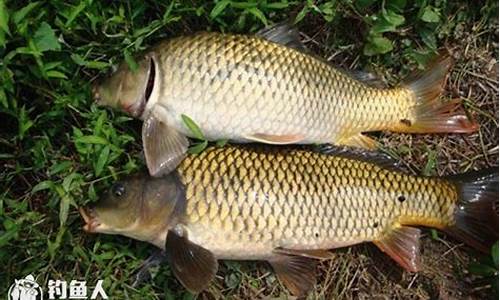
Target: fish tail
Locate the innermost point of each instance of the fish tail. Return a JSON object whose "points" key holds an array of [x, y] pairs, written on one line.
{"points": [[429, 113], [476, 212]]}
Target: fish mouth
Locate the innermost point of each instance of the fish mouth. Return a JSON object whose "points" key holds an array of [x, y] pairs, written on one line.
{"points": [[90, 218]]}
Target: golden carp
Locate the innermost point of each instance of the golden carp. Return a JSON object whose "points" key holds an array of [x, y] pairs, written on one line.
{"points": [[266, 88], [289, 207]]}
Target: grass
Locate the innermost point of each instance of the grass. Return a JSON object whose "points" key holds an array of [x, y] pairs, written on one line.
{"points": [[58, 150]]}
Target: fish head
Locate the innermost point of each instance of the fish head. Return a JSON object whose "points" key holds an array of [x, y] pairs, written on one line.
{"points": [[127, 89], [139, 207]]}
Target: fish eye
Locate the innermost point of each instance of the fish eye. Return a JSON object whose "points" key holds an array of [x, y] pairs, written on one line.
{"points": [[118, 189]]}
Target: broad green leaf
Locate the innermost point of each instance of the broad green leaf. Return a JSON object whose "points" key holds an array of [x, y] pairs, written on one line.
{"points": [[43, 185], [221, 143], [191, 125], [276, 5], [56, 74], [428, 36], [303, 12], [102, 160], [197, 148], [96, 65], [129, 59], [79, 60], [52, 65], [4, 17], [45, 39], [60, 167], [481, 269], [91, 139], [2, 38], [244, 5], [64, 203], [232, 280], [421, 57], [75, 12], [24, 122], [386, 22], [393, 18], [377, 45], [258, 14], [19, 15], [9, 234], [53, 246], [430, 15], [430, 166], [219, 8]]}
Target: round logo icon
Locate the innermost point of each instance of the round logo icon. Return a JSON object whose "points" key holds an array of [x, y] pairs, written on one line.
{"points": [[25, 289]]}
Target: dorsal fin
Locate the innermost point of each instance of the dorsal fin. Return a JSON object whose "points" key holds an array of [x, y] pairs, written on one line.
{"points": [[379, 158], [283, 33]]}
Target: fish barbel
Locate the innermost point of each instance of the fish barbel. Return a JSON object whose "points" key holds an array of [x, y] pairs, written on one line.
{"points": [[289, 207], [262, 88]]}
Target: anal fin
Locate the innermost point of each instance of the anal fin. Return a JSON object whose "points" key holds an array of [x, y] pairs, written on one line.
{"points": [[193, 265], [275, 139], [359, 140], [402, 245], [297, 273]]}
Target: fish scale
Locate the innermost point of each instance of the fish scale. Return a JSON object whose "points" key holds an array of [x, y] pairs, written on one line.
{"points": [[244, 203], [237, 73]]}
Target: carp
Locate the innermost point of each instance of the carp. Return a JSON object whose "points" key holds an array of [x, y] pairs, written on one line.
{"points": [[290, 207], [266, 88]]}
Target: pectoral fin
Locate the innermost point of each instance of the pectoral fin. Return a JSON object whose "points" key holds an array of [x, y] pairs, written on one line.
{"points": [[297, 273], [403, 245], [315, 253], [164, 146], [275, 139], [193, 265]]}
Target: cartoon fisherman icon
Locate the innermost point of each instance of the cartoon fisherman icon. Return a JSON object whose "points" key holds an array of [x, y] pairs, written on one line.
{"points": [[25, 289]]}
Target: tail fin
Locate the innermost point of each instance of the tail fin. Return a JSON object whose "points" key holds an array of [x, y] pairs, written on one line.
{"points": [[476, 214], [431, 115]]}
